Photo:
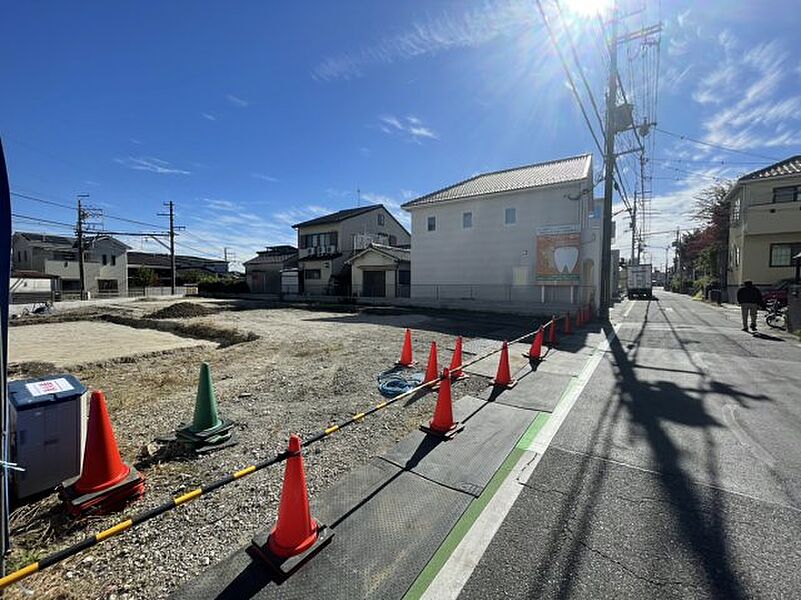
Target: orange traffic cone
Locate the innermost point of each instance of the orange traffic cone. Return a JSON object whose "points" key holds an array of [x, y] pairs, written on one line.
{"points": [[503, 377], [106, 482], [406, 359], [456, 362], [552, 333], [432, 371], [579, 317], [535, 352], [296, 534], [442, 424], [568, 326]]}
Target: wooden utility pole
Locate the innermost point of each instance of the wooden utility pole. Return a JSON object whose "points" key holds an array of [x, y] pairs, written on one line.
{"points": [[173, 229]]}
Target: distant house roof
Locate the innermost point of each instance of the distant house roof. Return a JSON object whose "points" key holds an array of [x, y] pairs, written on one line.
{"points": [[394, 252], [32, 275], [45, 240], [182, 261], [339, 216], [564, 170], [788, 166], [274, 255]]}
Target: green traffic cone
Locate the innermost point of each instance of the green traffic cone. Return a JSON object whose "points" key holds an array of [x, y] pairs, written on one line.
{"points": [[205, 403]]}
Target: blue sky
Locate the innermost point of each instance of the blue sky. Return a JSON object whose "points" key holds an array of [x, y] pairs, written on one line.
{"points": [[253, 115]]}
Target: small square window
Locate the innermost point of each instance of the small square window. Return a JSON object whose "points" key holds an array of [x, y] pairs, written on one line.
{"points": [[511, 216], [467, 220], [432, 223], [381, 219]]}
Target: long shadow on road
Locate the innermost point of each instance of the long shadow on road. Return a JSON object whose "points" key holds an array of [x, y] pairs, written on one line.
{"points": [[649, 406]]}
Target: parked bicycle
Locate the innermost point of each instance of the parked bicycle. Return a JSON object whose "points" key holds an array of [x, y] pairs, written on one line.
{"points": [[776, 316]]}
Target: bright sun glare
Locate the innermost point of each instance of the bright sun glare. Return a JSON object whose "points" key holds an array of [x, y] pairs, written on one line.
{"points": [[587, 8]]}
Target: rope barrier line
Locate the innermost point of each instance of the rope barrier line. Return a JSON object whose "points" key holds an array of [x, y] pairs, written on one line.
{"points": [[177, 501]]}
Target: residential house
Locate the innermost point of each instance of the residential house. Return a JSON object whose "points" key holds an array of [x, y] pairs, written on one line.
{"points": [[529, 236], [764, 224], [184, 264], [326, 243], [105, 262], [381, 271], [263, 272]]}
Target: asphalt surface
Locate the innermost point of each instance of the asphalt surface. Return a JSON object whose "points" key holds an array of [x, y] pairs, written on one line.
{"points": [[677, 474]]}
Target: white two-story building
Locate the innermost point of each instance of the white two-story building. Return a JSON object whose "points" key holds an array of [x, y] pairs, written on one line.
{"points": [[528, 238]]}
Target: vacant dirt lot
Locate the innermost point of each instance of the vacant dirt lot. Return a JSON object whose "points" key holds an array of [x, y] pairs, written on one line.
{"points": [[306, 369]]}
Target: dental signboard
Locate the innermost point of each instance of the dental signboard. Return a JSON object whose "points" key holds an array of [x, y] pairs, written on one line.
{"points": [[558, 253]]}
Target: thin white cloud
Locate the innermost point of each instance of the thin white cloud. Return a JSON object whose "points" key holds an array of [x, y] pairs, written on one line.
{"points": [[264, 177], [152, 164], [208, 116], [410, 128], [468, 29], [135, 141], [754, 108], [237, 101], [221, 205]]}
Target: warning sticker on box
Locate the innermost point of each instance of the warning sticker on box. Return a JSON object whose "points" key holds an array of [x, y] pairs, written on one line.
{"points": [[50, 386]]}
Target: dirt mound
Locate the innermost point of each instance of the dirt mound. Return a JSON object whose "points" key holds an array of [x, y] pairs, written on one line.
{"points": [[182, 310]]}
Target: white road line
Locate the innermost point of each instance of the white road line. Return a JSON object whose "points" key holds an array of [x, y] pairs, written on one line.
{"points": [[453, 575]]}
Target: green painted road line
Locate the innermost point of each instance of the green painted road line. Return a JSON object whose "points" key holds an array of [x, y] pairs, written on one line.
{"points": [[462, 526], [473, 511], [539, 421]]}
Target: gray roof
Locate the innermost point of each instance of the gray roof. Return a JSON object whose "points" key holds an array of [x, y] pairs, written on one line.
{"points": [[398, 253], [564, 170], [45, 239], [788, 166], [338, 216]]}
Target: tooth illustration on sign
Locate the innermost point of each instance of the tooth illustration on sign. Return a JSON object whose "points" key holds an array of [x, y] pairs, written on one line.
{"points": [[565, 258]]}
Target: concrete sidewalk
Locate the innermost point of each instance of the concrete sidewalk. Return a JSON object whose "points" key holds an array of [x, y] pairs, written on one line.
{"points": [[675, 474]]}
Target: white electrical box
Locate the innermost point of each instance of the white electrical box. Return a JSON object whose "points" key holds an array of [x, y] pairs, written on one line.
{"points": [[48, 419]]}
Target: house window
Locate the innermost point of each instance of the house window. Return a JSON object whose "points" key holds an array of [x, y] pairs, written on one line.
{"points": [[311, 274], [467, 220], [26, 255], [785, 194], [105, 260], [19, 256], [113, 260], [432, 223], [511, 216], [70, 285], [781, 255], [404, 277], [393, 240], [734, 211], [380, 219]]}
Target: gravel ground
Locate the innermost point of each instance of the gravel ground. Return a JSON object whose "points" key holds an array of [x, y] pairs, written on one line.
{"points": [[306, 370]]}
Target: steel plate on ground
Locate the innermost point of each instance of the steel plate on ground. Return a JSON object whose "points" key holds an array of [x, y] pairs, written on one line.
{"points": [[535, 390], [563, 362], [469, 460], [387, 524]]}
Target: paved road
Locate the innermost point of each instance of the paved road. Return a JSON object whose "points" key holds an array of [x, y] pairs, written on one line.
{"points": [[677, 474]]}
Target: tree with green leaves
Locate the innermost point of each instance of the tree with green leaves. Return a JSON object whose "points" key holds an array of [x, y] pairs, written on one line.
{"points": [[145, 277]]}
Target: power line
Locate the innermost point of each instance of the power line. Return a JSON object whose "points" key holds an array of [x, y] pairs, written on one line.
{"points": [[696, 173], [569, 77], [42, 200], [40, 220], [710, 162], [711, 145]]}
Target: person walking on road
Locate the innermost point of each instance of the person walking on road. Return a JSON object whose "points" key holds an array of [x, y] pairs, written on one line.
{"points": [[750, 299]]}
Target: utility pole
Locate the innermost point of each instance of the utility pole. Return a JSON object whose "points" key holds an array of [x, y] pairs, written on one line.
{"points": [[634, 229], [173, 229], [79, 236], [609, 168]]}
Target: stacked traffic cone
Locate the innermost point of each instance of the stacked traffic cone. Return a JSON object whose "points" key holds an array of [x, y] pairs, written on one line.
{"points": [[106, 482], [568, 326], [406, 359], [503, 377], [456, 362], [552, 333], [432, 370], [443, 425], [207, 431], [296, 534], [535, 352]]}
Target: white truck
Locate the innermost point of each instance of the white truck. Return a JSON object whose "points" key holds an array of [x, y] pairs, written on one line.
{"points": [[638, 281]]}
